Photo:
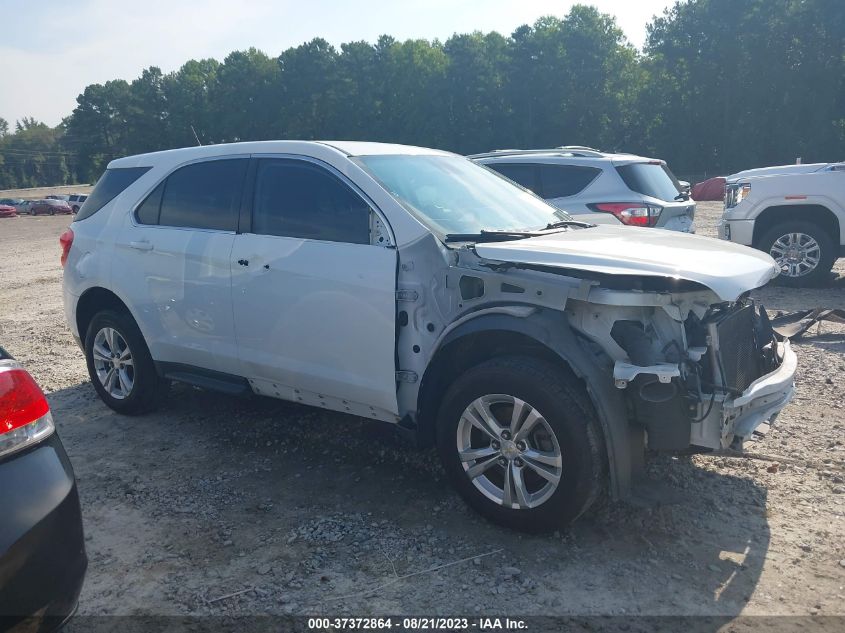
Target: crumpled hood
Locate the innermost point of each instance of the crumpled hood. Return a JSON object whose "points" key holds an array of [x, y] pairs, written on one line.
{"points": [[726, 268]]}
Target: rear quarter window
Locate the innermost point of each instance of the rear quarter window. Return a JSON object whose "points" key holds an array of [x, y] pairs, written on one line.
{"points": [[111, 184], [650, 179], [561, 181], [521, 173]]}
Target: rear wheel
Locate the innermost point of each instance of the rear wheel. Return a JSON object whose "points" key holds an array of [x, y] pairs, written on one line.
{"points": [[520, 443], [804, 252], [120, 365]]}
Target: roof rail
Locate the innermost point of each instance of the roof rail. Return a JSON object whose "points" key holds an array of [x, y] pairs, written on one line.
{"points": [[560, 151], [582, 148]]}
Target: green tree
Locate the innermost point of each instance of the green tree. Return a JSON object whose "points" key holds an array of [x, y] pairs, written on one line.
{"points": [[187, 93], [147, 113], [32, 156], [309, 82], [245, 97], [476, 112], [96, 131]]}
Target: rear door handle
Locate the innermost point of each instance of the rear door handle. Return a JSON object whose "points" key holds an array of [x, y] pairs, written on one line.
{"points": [[141, 246]]}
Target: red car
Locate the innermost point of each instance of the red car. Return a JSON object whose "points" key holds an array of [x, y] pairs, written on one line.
{"points": [[50, 207], [8, 211]]}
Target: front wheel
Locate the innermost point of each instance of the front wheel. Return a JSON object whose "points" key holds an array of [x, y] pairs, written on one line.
{"points": [[804, 252], [120, 365], [520, 442]]}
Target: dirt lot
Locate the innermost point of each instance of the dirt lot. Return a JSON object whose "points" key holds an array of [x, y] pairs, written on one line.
{"points": [[304, 511], [40, 192]]}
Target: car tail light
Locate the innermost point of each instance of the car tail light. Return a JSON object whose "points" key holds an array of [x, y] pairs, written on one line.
{"points": [[24, 413], [630, 213], [66, 240]]}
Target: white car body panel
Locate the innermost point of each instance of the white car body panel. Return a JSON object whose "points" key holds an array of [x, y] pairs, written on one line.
{"points": [[729, 272], [181, 291], [317, 316]]}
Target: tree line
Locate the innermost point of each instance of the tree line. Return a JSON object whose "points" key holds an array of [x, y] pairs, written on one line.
{"points": [[721, 85]]}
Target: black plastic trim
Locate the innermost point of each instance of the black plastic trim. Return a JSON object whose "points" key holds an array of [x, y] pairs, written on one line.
{"points": [[205, 378]]}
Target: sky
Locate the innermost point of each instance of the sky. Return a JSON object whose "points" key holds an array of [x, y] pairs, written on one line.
{"points": [[52, 49]]}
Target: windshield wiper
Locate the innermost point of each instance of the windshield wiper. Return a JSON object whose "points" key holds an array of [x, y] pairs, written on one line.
{"points": [[564, 223], [490, 236]]}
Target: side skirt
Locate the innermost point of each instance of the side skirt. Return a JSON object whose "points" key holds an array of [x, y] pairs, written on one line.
{"points": [[205, 378]]}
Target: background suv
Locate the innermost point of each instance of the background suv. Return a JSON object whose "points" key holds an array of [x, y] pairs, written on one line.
{"points": [[796, 213], [75, 201], [599, 187]]}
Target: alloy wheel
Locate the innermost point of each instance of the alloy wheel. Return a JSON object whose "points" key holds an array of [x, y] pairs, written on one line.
{"points": [[113, 363], [796, 254], [509, 451]]}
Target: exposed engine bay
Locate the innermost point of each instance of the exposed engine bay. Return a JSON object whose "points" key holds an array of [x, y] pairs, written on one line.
{"points": [[676, 362]]}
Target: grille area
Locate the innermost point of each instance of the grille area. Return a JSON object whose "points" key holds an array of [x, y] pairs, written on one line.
{"points": [[738, 355]]}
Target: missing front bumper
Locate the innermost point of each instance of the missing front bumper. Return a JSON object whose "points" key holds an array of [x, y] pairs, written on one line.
{"points": [[738, 416]]}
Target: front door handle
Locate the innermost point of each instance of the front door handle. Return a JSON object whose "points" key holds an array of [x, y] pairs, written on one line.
{"points": [[141, 246], [243, 262]]}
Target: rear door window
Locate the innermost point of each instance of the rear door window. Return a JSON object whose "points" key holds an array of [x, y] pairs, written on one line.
{"points": [[523, 174], [560, 181], [111, 184], [298, 199], [204, 195], [650, 179]]}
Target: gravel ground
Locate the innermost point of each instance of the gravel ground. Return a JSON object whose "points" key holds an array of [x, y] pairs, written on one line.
{"points": [[300, 511]]}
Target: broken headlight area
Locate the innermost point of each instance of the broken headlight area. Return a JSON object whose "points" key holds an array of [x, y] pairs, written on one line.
{"points": [[683, 390]]}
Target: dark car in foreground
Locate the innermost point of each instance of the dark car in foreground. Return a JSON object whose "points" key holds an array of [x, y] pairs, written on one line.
{"points": [[42, 549], [50, 207]]}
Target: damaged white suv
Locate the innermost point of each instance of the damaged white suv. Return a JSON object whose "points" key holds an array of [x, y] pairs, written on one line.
{"points": [[541, 354]]}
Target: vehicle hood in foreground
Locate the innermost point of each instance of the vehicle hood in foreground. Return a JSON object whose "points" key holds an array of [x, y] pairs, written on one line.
{"points": [[726, 268]]}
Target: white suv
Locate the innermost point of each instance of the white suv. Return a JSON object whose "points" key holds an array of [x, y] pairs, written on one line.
{"points": [[415, 287], [796, 213], [76, 200], [598, 187]]}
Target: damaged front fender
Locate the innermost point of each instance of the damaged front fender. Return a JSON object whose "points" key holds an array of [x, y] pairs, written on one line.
{"points": [[550, 328]]}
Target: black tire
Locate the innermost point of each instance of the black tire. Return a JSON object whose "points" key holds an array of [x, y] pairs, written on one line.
{"points": [[147, 387], [827, 252], [52, 211], [562, 401]]}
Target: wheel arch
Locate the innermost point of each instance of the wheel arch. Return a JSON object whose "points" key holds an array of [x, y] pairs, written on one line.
{"points": [[818, 214], [94, 300], [544, 334]]}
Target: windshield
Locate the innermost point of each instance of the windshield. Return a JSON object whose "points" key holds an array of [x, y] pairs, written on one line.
{"points": [[451, 194], [650, 179]]}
